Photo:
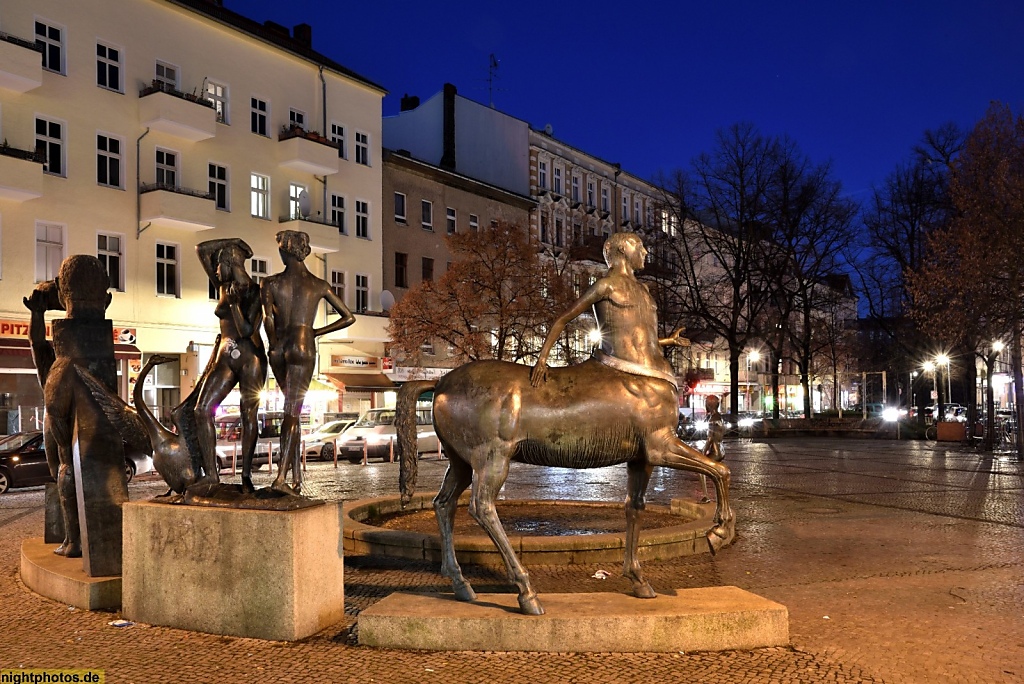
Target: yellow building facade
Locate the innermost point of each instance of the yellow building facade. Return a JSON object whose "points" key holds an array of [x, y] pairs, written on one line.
{"points": [[134, 129]]}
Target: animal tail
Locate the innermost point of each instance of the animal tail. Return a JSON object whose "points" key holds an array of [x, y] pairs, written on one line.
{"points": [[405, 426]]}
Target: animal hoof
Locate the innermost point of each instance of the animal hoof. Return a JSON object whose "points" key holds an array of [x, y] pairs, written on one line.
{"points": [[530, 605], [720, 536], [643, 590], [247, 485], [69, 550], [464, 592]]}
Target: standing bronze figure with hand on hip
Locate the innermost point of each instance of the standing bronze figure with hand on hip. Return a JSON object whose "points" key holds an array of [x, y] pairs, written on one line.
{"points": [[239, 358], [290, 302]]}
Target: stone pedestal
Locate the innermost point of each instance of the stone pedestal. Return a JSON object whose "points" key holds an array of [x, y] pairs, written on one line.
{"points": [[704, 619], [63, 579], [249, 573]]}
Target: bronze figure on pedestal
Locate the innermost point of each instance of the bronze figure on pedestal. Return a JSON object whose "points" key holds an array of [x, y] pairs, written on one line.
{"points": [[621, 406]]}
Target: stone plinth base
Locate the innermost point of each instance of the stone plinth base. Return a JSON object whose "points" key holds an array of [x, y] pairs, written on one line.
{"points": [[705, 619], [265, 574], [63, 579]]}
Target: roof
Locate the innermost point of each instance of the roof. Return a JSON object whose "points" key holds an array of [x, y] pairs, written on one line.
{"points": [[272, 33], [458, 180]]}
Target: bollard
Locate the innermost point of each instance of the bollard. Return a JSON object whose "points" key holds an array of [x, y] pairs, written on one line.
{"points": [[391, 451], [439, 454], [234, 458], [364, 451], [302, 443], [335, 443]]}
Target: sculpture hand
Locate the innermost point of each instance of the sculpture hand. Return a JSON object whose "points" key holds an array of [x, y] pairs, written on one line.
{"points": [[539, 374]]}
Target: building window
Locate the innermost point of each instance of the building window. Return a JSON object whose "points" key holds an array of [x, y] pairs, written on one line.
{"points": [[401, 269], [604, 200], [559, 238], [166, 269], [544, 237], [50, 141], [428, 269], [338, 136], [51, 40], [636, 211], [450, 220], [558, 181], [338, 284], [219, 186], [542, 175], [575, 188], [625, 207], [362, 149], [295, 191], [259, 268], [217, 93], [362, 292], [108, 161], [166, 75], [108, 67], [400, 207], [590, 193], [427, 214], [166, 168], [297, 118], [362, 219], [49, 250], [108, 251], [258, 116], [338, 213], [259, 203], [474, 222]]}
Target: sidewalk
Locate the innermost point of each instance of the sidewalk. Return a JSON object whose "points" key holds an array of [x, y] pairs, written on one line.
{"points": [[898, 562]]}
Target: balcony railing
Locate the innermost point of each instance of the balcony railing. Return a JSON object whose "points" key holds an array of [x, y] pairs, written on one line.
{"points": [[162, 87], [21, 64], [310, 219], [28, 155], [176, 189], [294, 131], [8, 38]]}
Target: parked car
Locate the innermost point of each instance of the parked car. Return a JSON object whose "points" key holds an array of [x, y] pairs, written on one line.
{"points": [[321, 442], [23, 461], [374, 433]]}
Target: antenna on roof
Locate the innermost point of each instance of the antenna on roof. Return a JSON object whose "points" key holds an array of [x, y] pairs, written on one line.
{"points": [[492, 74]]}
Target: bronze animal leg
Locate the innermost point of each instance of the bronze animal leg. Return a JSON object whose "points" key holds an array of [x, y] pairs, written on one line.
{"points": [[665, 449], [639, 474], [458, 476], [490, 468]]}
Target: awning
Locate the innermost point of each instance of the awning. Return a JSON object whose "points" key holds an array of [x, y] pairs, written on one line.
{"points": [[360, 382], [12, 346]]}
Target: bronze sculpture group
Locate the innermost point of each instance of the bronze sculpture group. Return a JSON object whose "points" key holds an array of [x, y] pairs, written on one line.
{"points": [[621, 406], [618, 407]]}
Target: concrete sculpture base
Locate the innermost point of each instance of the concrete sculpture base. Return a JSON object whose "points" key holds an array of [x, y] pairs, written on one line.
{"points": [[704, 619], [63, 579], [265, 574]]}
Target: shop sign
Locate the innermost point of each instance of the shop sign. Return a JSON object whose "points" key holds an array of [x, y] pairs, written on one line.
{"points": [[358, 362], [11, 328], [406, 373]]}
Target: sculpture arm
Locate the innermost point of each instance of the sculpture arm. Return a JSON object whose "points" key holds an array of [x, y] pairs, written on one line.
{"points": [[209, 251], [592, 296], [246, 312], [676, 339], [269, 311], [43, 298], [347, 317]]}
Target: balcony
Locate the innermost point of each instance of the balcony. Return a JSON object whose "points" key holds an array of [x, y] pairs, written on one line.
{"points": [[177, 208], [170, 111], [21, 174], [307, 151], [21, 64], [588, 248], [324, 237]]}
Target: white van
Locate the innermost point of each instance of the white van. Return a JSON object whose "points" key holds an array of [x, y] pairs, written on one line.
{"points": [[374, 433]]}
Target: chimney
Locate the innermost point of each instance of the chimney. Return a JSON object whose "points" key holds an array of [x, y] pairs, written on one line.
{"points": [[409, 103], [303, 33], [448, 157], [276, 29]]}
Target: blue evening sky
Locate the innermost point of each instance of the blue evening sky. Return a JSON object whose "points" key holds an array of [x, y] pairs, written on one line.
{"points": [[647, 83]]}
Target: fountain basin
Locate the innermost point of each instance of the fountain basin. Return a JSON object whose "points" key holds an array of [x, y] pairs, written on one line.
{"points": [[584, 543]]}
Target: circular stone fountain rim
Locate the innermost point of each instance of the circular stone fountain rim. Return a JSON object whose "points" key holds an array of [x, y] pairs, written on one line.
{"points": [[687, 538]]}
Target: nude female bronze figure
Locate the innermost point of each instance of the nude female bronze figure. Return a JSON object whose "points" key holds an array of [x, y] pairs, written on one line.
{"points": [[239, 358], [290, 302]]}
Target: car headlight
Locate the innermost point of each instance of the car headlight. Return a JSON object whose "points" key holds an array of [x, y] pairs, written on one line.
{"points": [[701, 426], [377, 440], [746, 422]]}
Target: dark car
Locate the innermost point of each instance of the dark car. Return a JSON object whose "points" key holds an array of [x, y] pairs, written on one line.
{"points": [[23, 461]]}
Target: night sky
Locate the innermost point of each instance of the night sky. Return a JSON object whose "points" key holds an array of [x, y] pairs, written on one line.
{"points": [[647, 84]]}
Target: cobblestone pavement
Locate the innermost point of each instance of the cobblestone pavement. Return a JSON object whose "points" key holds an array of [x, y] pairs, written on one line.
{"points": [[898, 562]]}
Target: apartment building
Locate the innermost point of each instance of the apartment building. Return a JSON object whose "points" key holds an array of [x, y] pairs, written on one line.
{"points": [[134, 129]]}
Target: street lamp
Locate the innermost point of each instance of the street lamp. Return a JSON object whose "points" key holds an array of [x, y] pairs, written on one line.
{"points": [[753, 356], [929, 367], [943, 360]]}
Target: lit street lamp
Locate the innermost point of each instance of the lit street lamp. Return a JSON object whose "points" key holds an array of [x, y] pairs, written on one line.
{"points": [[943, 360], [929, 367]]}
